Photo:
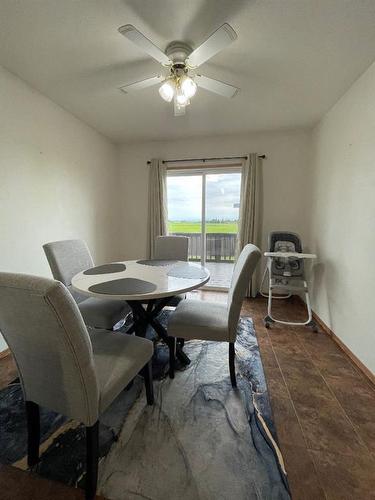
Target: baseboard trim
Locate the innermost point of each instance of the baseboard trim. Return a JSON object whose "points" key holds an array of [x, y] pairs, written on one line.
{"points": [[358, 363], [4, 354]]}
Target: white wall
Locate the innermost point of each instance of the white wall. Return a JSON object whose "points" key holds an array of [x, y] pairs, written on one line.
{"points": [[343, 218], [284, 178], [57, 180]]}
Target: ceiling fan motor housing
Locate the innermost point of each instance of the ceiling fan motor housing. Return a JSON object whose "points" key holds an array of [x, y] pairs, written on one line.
{"points": [[178, 53]]}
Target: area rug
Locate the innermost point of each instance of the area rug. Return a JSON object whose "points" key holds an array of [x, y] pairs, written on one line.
{"points": [[200, 440]]}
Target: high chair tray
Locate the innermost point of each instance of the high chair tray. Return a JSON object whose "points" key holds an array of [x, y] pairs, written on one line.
{"points": [[286, 255]]}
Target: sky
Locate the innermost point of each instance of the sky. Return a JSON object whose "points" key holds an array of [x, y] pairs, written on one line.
{"points": [[222, 197]]}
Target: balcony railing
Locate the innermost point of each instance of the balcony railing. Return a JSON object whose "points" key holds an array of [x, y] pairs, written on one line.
{"points": [[220, 247]]}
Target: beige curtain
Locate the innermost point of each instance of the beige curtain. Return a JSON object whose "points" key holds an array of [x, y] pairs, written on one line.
{"points": [[249, 219], [157, 203]]}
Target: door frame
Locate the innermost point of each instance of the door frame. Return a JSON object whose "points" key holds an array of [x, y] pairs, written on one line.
{"points": [[203, 172]]}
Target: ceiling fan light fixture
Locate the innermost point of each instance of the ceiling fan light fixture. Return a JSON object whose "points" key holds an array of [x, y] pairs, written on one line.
{"points": [[188, 86], [181, 98], [167, 89], [179, 85]]}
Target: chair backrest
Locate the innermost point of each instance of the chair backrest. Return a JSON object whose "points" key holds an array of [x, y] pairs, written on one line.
{"points": [[285, 241], [66, 258], [44, 329], [242, 273], [172, 248]]}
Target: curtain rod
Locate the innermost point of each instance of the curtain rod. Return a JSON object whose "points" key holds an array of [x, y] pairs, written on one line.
{"points": [[263, 157]]}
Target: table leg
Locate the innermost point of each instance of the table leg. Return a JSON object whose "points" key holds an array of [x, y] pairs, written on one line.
{"points": [[148, 316], [161, 331], [140, 323]]}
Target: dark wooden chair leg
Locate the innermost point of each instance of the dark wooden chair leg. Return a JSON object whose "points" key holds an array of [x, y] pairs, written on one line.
{"points": [[232, 367], [33, 433], [149, 386], [92, 458], [172, 355]]}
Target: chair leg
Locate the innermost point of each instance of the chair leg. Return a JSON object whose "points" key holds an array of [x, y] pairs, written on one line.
{"points": [[33, 433], [232, 367], [92, 458], [147, 374], [172, 356]]}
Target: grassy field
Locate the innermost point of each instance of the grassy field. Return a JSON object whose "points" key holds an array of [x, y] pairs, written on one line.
{"points": [[195, 227]]}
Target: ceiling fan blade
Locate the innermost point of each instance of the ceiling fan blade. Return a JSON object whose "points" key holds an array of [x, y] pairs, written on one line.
{"points": [[216, 86], [179, 110], [135, 36], [142, 84], [219, 39]]}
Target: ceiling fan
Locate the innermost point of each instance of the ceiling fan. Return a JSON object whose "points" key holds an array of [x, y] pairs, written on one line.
{"points": [[181, 81]]}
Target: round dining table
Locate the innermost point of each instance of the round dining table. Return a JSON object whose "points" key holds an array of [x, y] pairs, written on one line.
{"points": [[147, 286]]}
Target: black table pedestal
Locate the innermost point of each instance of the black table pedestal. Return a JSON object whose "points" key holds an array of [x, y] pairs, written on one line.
{"points": [[143, 317]]}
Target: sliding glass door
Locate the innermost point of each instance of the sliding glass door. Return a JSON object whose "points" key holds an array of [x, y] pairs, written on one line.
{"points": [[204, 205]]}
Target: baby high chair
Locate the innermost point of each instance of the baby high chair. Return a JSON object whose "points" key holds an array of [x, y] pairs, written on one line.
{"points": [[286, 274]]}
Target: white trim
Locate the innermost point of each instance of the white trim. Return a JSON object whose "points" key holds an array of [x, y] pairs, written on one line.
{"points": [[203, 221]]}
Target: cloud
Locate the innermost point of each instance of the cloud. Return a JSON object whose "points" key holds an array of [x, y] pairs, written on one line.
{"points": [[222, 196]]}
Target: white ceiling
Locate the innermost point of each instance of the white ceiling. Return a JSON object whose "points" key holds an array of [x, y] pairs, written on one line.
{"points": [[293, 60]]}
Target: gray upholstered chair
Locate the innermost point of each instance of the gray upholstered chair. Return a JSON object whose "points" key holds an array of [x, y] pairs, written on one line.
{"points": [[196, 319], [69, 257], [171, 248], [60, 366]]}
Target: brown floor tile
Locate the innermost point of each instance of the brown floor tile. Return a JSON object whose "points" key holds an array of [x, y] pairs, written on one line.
{"points": [[283, 337], [334, 364], [288, 428], [311, 391], [358, 400], [268, 356], [19, 485], [264, 340], [275, 382], [304, 381], [367, 432], [344, 477], [296, 366], [288, 350], [328, 428], [302, 477], [318, 343]]}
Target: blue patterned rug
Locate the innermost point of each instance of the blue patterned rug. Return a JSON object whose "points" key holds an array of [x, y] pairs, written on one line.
{"points": [[201, 439]]}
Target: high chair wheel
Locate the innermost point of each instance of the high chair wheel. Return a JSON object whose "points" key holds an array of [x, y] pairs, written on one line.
{"points": [[266, 324], [313, 326]]}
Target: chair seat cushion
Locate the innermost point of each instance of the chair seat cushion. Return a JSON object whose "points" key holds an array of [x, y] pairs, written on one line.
{"points": [[198, 319], [118, 358], [103, 313]]}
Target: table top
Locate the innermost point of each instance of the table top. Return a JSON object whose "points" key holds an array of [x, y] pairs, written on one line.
{"points": [[285, 255], [140, 279]]}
